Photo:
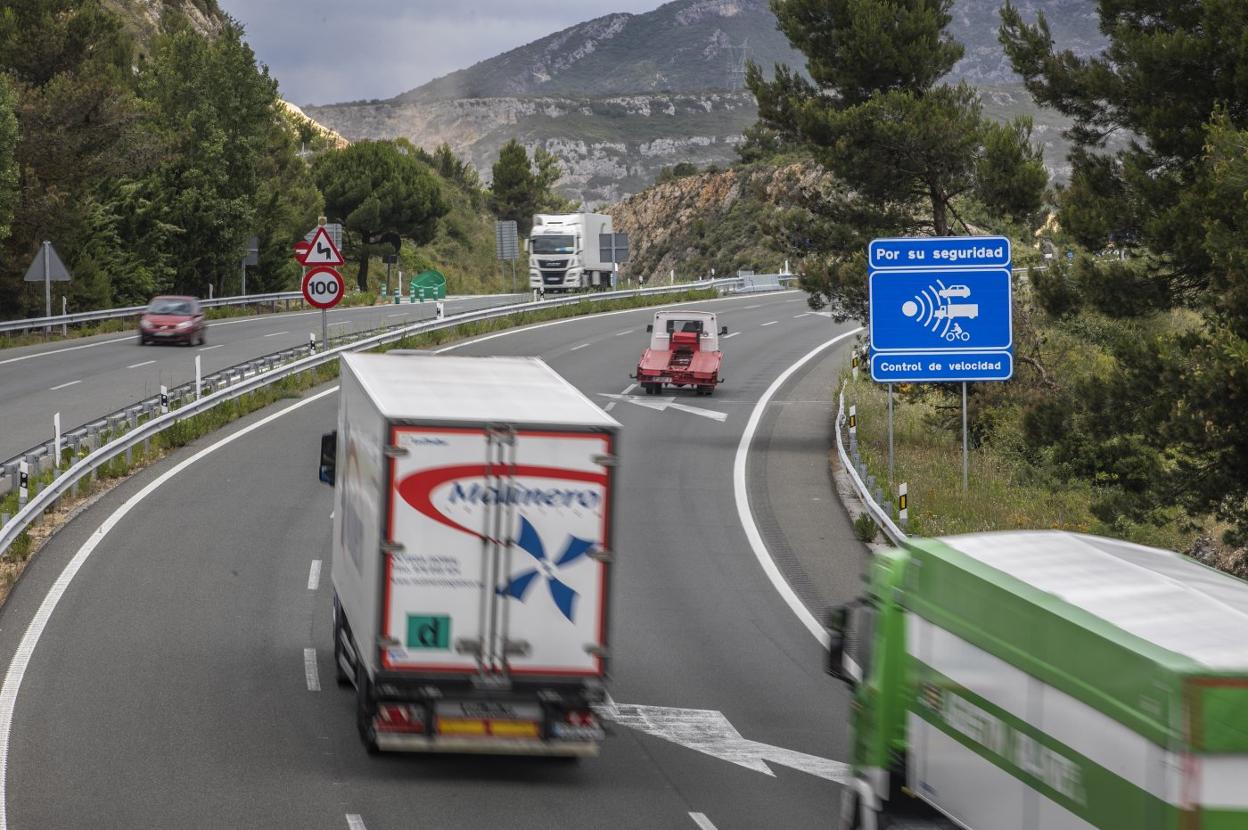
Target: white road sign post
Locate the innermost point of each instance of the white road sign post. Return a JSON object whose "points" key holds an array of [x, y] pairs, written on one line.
{"points": [[23, 483], [323, 288]]}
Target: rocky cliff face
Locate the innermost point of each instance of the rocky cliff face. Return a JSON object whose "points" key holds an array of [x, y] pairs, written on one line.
{"points": [[610, 147], [717, 220]]}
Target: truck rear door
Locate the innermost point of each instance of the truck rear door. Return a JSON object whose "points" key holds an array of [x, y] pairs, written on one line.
{"points": [[496, 541]]}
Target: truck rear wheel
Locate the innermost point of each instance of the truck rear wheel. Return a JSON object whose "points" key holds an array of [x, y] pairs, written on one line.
{"points": [[365, 710]]}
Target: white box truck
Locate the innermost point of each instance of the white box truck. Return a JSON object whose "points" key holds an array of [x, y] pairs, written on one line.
{"points": [[472, 553], [564, 253]]}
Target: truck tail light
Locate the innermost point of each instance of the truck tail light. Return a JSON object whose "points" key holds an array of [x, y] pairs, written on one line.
{"points": [[395, 717], [582, 718]]}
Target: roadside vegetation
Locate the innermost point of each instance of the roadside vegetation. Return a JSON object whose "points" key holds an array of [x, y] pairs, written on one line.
{"points": [[151, 154], [1125, 414]]}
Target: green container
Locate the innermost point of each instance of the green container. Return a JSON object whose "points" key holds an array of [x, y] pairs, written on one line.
{"points": [[431, 284]]}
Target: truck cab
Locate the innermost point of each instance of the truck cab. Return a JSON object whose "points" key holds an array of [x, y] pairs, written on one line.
{"points": [[564, 253]]}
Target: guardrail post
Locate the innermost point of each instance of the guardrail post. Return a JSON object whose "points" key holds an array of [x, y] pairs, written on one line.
{"points": [[903, 506], [23, 483], [56, 441], [853, 429]]}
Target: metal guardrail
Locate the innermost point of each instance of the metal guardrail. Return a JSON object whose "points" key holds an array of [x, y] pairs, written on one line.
{"points": [[134, 311], [878, 513], [144, 430]]}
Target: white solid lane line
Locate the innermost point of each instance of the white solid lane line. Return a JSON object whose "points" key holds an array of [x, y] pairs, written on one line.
{"points": [[743, 500], [63, 385], [354, 822], [727, 336], [30, 640], [276, 333], [210, 348], [314, 575], [578, 348], [137, 365], [309, 670], [772, 323], [702, 821]]}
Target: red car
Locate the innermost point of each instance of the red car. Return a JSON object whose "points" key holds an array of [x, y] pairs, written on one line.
{"points": [[172, 320]]}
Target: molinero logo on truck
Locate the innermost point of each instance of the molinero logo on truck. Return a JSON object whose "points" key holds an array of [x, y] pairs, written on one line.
{"points": [[453, 495], [466, 489]]}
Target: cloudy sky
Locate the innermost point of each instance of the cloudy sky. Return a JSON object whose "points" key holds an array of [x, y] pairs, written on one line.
{"points": [[324, 52]]}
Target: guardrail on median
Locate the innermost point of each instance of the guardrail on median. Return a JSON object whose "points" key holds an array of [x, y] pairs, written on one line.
{"points": [[134, 311], [142, 431], [857, 472]]}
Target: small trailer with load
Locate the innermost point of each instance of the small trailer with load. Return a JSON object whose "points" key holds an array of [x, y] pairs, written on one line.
{"points": [[684, 351], [472, 554]]}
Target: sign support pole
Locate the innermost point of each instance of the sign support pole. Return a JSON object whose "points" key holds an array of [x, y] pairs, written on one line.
{"points": [[47, 284], [890, 432], [324, 330], [965, 454]]}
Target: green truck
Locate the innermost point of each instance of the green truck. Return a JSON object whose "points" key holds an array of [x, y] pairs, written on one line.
{"points": [[1045, 681]]}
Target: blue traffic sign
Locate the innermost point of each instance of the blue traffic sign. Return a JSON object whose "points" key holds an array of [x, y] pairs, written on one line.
{"points": [[926, 367], [940, 252], [940, 310]]}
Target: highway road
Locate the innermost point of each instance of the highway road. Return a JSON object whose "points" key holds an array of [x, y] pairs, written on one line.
{"points": [[87, 378], [183, 677]]}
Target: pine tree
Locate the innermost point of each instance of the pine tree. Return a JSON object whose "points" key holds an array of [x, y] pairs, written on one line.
{"points": [[513, 191], [874, 114]]}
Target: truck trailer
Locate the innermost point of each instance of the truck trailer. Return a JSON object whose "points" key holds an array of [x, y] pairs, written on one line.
{"points": [[1045, 681], [472, 551], [564, 253]]}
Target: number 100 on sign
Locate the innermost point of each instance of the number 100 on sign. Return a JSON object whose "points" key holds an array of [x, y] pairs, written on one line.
{"points": [[322, 287]]}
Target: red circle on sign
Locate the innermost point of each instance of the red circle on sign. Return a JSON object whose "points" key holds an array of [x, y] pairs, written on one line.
{"points": [[322, 287]]}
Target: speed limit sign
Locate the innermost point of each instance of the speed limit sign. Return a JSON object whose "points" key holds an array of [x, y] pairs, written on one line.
{"points": [[322, 287]]}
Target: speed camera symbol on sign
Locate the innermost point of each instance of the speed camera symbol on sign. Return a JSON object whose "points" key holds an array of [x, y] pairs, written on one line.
{"points": [[322, 287]]}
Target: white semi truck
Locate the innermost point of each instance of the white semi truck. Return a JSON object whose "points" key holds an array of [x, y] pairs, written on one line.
{"points": [[472, 550], [564, 254]]}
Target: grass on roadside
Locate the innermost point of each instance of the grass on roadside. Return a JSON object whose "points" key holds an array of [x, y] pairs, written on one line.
{"points": [[1004, 492]]}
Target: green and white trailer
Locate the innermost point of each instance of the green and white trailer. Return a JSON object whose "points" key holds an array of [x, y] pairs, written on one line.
{"points": [[1045, 681]]}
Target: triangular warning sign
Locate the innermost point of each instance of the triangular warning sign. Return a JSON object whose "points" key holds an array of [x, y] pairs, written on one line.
{"points": [[323, 250]]}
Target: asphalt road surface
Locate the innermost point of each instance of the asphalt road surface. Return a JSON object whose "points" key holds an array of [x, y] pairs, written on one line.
{"points": [[185, 678], [91, 377]]}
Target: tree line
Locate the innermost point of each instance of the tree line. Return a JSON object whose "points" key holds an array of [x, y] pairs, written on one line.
{"points": [[150, 165], [1133, 352]]}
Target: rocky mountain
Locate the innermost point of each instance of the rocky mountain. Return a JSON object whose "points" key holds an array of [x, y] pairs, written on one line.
{"points": [[721, 220], [621, 96]]}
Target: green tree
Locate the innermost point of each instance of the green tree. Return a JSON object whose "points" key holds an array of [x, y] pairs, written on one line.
{"points": [[1162, 424], [8, 156], [81, 137], [513, 189], [379, 189], [215, 108], [547, 173], [873, 112]]}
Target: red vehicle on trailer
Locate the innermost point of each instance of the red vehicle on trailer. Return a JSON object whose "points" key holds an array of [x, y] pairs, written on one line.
{"points": [[684, 351]]}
